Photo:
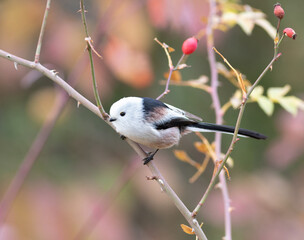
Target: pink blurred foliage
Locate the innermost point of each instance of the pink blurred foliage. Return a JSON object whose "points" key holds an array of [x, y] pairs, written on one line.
{"points": [[181, 15], [131, 66], [17, 36], [7, 232], [46, 211], [265, 206], [128, 37], [64, 43], [288, 147]]}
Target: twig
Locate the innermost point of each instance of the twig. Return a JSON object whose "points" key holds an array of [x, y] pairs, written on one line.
{"points": [[86, 103], [166, 91], [89, 48], [218, 115], [54, 77], [38, 49], [167, 50]]}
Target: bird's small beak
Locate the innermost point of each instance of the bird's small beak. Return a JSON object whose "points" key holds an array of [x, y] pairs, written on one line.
{"points": [[112, 119]]}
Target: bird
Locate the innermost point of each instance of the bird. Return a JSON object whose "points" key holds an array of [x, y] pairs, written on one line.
{"points": [[158, 125]]}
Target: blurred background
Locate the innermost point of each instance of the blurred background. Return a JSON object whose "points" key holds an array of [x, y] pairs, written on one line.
{"points": [[85, 168]]}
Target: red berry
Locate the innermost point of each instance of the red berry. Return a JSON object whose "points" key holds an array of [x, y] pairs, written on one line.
{"points": [[289, 32], [278, 11], [189, 45]]}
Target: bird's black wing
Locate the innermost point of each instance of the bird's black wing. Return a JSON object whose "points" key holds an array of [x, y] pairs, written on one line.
{"points": [[174, 122]]}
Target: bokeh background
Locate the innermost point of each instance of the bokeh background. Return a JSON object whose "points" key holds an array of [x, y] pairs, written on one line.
{"points": [[84, 158]]}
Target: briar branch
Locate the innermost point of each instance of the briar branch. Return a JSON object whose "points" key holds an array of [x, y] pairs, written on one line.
{"points": [[90, 49], [42, 29], [218, 116]]}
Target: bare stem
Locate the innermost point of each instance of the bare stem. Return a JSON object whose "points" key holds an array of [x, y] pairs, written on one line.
{"points": [[87, 104], [276, 39], [38, 49], [89, 48], [171, 69], [167, 84], [218, 114]]}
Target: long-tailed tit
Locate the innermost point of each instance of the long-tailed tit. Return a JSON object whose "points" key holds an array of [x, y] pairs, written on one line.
{"points": [[158, 125]]}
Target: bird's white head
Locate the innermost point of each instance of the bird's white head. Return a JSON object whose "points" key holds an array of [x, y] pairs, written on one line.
{"points": [[126, 113]]}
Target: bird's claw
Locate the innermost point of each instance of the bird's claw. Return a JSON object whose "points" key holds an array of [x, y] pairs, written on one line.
{"points": [[149, 157]]}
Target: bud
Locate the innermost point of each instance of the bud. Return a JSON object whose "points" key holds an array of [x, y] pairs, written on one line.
{"points": [[189, 45], [289, 32], [278, 11]]}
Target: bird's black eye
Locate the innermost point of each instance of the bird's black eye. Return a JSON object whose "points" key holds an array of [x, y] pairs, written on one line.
{"points": [[122, 114]]}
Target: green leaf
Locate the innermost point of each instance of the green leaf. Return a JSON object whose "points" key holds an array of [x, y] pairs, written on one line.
{"points": [[291, 104], [236, 99], [266, 25], [276, 93], [257, 92], [266, 105]]}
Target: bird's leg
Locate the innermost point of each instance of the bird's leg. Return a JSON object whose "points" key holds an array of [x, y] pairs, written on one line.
{"points": [[149, 157], [123, 137]]}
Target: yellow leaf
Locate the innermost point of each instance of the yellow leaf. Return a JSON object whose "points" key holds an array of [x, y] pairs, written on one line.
{"points": [[276, 93], [200, 170], [175, 76], [187, 229], [171, 49], [183, 156], [237, 74], [266, 105], [201, 147]]}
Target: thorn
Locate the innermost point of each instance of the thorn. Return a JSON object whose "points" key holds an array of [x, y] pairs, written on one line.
{"points": [[90, 44], [195, 222], [79, 11], [152, 178], [88, 39], [54, 72], [231, 209], [161, 182], [78, 104], [16, 66], [219, 185]]}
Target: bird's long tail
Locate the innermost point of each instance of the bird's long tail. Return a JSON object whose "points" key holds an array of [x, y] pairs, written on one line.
{"points": [[211, 127]]}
